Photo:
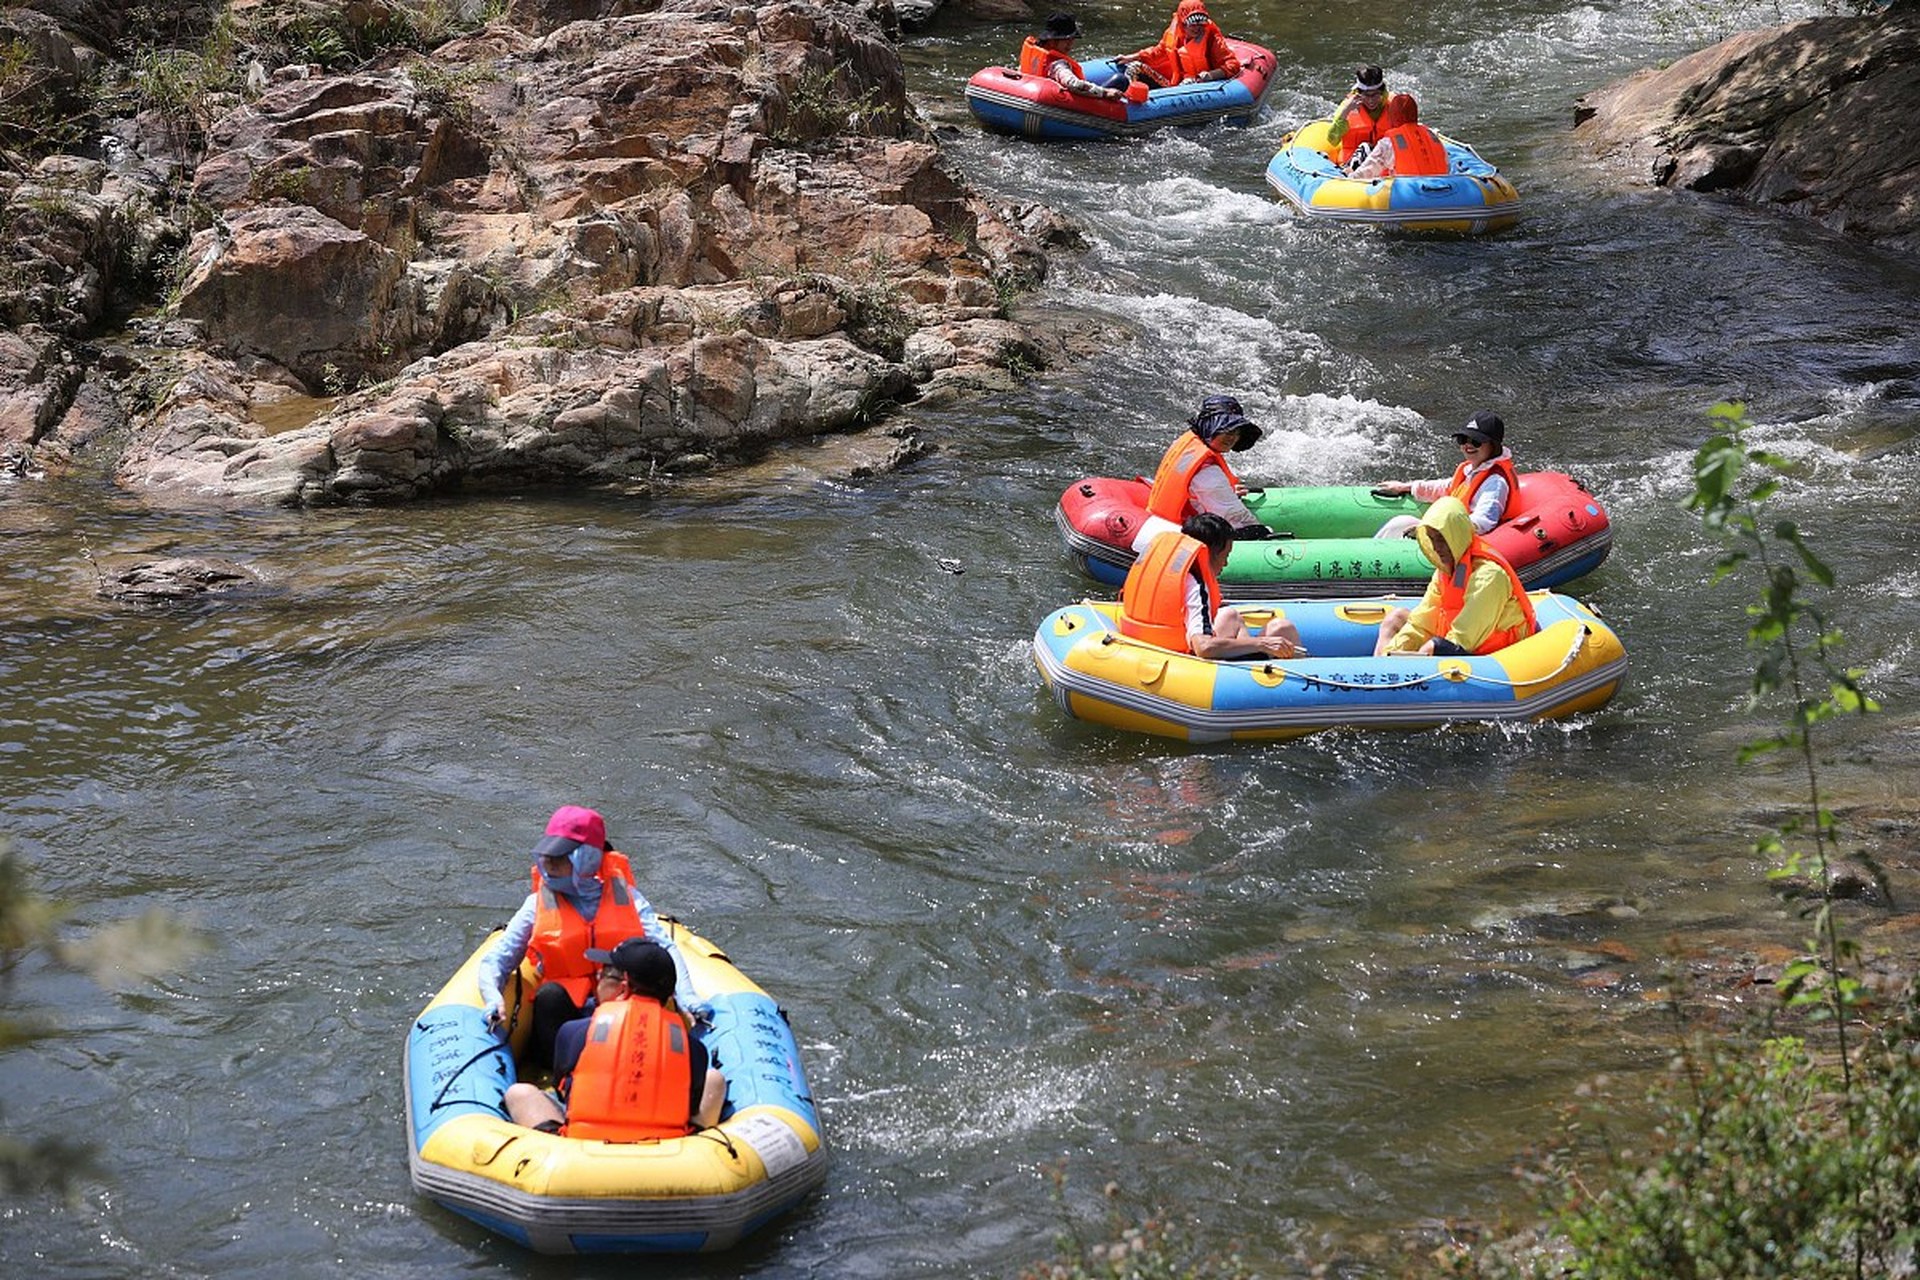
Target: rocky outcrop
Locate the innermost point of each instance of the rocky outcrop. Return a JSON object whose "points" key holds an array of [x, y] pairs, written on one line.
{"points": [[1816, 118], [554, 251]]}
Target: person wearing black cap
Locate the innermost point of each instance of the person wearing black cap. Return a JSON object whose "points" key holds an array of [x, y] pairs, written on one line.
{"points": [[1368, 113], [608, 1065], [1485, 481], [1194, 476], [1050, 54]]}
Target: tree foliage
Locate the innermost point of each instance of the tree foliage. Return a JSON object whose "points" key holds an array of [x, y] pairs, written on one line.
{"points": [[118, 956]]}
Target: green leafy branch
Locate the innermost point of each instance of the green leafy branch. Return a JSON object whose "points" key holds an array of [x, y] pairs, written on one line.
{"points": [[117, 956], [1797, 654]]}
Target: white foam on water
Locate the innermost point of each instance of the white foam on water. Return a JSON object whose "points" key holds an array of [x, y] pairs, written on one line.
{"points": [[982, 1093], [1182, 208]]}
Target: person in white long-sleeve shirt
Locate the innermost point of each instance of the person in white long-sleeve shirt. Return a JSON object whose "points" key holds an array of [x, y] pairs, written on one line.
{"points": [[1050, 54], [1484, 481], [1194, 477], [583, 896]]}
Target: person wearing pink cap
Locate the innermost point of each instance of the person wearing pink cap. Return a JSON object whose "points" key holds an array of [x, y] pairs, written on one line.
{"points": [[583, 898]]}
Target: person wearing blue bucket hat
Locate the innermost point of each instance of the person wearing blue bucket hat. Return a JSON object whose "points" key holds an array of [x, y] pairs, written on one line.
{"points": [[1194, 477]]}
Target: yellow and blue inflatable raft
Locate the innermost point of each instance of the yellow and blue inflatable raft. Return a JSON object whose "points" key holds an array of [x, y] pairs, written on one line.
{"points": [[1574, 663], [1470, 198], [555, 1194]]}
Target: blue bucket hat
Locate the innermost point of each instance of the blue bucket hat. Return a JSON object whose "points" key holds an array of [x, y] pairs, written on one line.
{"points": [[1220, 414]]}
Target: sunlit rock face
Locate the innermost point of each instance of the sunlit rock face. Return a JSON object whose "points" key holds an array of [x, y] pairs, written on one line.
{"points": [[583, 244], [1816, 118]]}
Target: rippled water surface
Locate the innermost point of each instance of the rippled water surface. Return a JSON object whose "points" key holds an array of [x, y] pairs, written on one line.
{"points": [[1320, 991]]}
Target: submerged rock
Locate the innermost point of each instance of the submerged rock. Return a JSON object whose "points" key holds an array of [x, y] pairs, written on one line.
{"points": [[174, 579]]}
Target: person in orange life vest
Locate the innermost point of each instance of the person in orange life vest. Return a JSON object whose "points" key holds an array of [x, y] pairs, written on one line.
{"points": [[1049, 54], [1408, 150], [583, 896], [1367, 112], [1475, 602], [1484, 481], [1194, 476], [632, 1068], [1193, 50], [1172, 598]]}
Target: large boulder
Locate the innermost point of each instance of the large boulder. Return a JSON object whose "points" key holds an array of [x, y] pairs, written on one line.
{"points": [[1816, 117], [628, 244], [38, 380], [291, 284]]}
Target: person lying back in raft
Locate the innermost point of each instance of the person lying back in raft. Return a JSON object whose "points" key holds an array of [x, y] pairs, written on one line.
{"points": [[583, 896], [1485, 481], [1475, 602], [1367, 114], [630, 1070], [1172, 598], [1193, 476], [1191, 51], [1048, 54]]}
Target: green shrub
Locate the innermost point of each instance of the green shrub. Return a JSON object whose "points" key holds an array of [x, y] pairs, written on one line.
{"points": [[130, 950], [1770, 1155]]}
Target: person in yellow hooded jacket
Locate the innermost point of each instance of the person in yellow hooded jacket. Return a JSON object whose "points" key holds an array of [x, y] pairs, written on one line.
{"points": [[1474, 604]]}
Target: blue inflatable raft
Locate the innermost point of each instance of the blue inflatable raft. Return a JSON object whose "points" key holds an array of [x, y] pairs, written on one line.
{"points": [[1574, 663], [1008, 101], [1470, 198], [555, 1194]]}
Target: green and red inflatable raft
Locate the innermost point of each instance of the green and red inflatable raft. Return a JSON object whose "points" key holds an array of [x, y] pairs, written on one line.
{"points": [[1324, 544]]}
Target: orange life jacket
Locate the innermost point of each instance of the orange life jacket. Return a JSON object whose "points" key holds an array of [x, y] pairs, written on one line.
{"points": [[1417, 151], [1464, 489], [561, 935], [634, 1076], [1190, 58], [1153, 602], [1453, 596], [1177, 58], [1036, 59], [1399, 109], [1170, 498]]}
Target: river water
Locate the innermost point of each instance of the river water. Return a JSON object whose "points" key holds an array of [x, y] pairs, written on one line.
{"points": [[1311, 996]]}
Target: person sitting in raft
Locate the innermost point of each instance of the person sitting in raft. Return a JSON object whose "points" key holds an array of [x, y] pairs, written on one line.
{"points": [[1367, 113], [583, 896], [1172, 598], [1408, 150], [1484, 481], [1192, 50], [1194, 477], [630, 1070], [1475, 602], [1047, 54]]}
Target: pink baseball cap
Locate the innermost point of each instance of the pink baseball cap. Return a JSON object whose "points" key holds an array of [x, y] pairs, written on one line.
{"points": [[570, 827]]}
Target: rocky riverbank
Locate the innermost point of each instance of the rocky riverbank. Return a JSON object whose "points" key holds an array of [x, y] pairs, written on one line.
{"points": [[1814, 118], [318, 253]]}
